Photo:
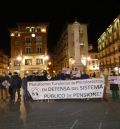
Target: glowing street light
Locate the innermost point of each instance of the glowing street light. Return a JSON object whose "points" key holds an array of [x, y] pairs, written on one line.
{"points": [[33, 35], [49, 63], [19, 58], [46, 58]]}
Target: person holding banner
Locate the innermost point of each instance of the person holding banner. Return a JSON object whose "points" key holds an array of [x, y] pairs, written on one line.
{"points": [[24, 85], [114, 88], [76, 74]]}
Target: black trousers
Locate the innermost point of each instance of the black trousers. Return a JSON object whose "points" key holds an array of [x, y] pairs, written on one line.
{"points": [[14, 92], [11, 93]]}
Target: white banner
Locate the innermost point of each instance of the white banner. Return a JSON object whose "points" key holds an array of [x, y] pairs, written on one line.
{"points": [[114, 79], [66, 89]]}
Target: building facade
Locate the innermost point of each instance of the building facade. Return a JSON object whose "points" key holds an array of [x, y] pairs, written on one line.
{"points": [[28, 47], [72, 47], [4, 63], [92, 61], [109, 48]]}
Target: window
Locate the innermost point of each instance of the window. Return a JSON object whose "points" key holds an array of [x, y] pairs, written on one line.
{"points": [[16, 63], [27, 40], [39, 61], [27, 29], [17, 50], [28, 61], [39, 50], [93, 62], [81, 33], [32, 29], [39, 39], [38, 29], [17, 43], [17, 34], [27, 50]]}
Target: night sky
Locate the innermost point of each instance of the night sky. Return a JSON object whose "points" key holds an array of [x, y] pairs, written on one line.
{"points": [[98, 16]]}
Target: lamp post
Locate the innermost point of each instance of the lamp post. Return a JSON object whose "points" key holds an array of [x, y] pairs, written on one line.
{"points": [[46, 58], [85, 61]]}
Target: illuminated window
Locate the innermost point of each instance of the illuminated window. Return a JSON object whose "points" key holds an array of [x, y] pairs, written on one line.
{"points": [[12, 34], [27, 29], [16, 63], [39, 39], [28, 61], [32, 29], [81, 32], [39, 61], [38, 29], [43, 30], [16, 34]]}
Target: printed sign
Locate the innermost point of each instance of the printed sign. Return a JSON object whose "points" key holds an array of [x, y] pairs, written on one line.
{"points": [[114, 79], [67, 89]]}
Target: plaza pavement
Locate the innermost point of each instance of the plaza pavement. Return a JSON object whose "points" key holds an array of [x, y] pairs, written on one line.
{"points": [[60, 114]]}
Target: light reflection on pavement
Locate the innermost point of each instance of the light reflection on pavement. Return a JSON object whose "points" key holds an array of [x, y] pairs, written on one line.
{"points": [[59, 114]]}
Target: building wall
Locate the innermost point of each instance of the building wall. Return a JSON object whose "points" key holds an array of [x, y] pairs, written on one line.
{"points": [[93, 63], [109, 48], [65, 49], [27, 47], [4, 63]]}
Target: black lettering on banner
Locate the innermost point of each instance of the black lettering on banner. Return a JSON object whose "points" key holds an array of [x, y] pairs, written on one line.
{"points": [[91, 87], [54, 96], [72, 83], [74, 88], [44, 89], [80, 95], [58, 88]]}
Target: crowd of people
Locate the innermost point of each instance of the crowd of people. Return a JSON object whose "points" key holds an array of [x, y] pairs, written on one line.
{"points": [[10, 84]]}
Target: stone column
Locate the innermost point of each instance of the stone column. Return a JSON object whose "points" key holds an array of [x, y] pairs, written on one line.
{"points": [[76, 27]]}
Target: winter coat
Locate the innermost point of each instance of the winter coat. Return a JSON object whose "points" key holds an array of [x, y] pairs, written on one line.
{"points": [[16, 81], [84, 76], [114, 87], [24, 82], [0, 81], [5, 81]]}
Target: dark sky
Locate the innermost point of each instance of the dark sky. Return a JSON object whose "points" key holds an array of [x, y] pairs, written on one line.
{"points": [[98, 16]]}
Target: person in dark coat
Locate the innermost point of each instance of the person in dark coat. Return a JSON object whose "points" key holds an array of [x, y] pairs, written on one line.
{"points": [[10, 88], [24, 85], [4, 85], [84, 75], [16, 85], [114, 88]]}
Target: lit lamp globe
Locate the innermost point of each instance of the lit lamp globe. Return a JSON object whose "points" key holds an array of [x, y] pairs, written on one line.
{"points": [[33, 35], [46, 57], [19, 58]]}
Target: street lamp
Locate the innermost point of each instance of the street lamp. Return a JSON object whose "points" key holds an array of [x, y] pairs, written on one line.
{"points": [[85, 61], [33, 35], [49, 63], [19, 58], [46, 58]]}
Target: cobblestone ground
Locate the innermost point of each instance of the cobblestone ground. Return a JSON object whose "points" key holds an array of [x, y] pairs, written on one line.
{"points": [[60, 114]]}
